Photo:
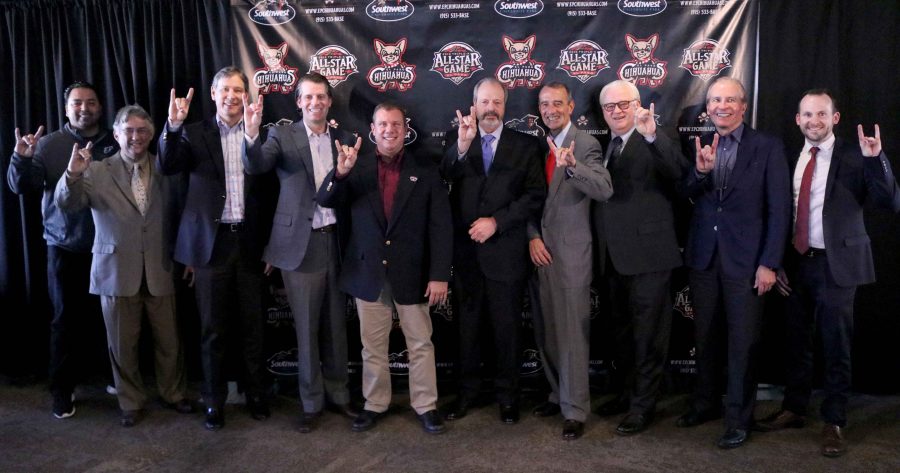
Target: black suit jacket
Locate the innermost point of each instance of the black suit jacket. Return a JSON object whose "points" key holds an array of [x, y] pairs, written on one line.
{"points": [[409, 250], [196, 149], [513, 192], [853, 180], [637, 224]]}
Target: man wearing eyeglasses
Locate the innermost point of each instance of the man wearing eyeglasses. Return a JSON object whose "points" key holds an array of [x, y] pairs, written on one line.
{"points": [[637, 250], [742, 208]]}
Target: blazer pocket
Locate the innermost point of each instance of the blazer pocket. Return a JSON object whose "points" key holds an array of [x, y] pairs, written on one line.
{"points": [[283, 219], [103, 248], [655, 226], [856, 240]]}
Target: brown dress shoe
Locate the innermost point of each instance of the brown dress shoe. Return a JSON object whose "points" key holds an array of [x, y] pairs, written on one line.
{"points": [[783, 419], [833, 444]]}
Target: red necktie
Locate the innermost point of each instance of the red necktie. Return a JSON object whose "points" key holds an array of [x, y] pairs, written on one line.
{"points": [[550, 166], [801, 225]]}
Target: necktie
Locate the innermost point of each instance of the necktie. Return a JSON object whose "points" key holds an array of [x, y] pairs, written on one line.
{"points": [[487, 153], [137, 188], [801, 225], [615, 150], [550, 165]]}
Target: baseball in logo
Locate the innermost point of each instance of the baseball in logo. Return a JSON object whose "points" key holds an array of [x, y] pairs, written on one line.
{"points": [[334, 62], [521, 70], [456, 62], [275, 76], [392, 73], [705, 59], [583, 60], [644, 69]]}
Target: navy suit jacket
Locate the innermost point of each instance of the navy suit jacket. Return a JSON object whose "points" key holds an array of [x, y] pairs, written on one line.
{"points": [[853, 180], [412, 248], [196, 149], [749, 222]]}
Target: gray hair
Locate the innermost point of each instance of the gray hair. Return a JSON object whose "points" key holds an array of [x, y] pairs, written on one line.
{"points": [[620, 83], [492, 80], [733, 81], [128, 111]]}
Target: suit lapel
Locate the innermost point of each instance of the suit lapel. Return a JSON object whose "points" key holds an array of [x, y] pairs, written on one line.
{"points": [[213, 139], [369, 168], [746, 151], [304, 150], [833, 169], [559, 174], [119, 173], [476, 157], [405, 186]]}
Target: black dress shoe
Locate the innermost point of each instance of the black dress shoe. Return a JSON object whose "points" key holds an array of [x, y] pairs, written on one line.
{"points": [[346, 409], [432, 422], [509, 413], [733, 438], [546, 409], [131, 418], [458, 409], [307, 421], [693, 418], [572, 429], [258, 407], [634, 423], [215, 418], [365, 420], [182, 407], [615, 406]]}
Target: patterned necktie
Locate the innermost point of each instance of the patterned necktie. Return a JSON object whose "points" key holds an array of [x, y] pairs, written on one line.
{"points": [[487, 153], [801, 225], [138, 189], [615, 150]]}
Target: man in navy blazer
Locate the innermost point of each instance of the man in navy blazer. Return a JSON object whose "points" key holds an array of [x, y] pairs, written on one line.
{"points": [[829, 257], [221, 235], [398, 259], [304, 245], [735, 243]]}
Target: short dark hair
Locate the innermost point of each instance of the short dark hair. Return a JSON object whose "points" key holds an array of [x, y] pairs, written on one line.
{"points": [[825, 92], [229, 71], [80, 84], [389, 105], [315, 78]]}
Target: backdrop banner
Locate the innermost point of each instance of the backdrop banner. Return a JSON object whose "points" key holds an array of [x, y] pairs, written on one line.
{"points": [[429, 55]]}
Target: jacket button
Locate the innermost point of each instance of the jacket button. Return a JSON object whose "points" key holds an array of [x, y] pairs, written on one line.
{"points": [[716, 228], [388, 243], [384, 262]]}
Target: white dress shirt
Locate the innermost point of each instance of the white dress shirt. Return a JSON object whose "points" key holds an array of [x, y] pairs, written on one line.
{"points": [[817, 190]]}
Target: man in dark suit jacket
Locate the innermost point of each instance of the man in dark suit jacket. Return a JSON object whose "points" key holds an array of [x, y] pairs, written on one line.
{"points": [[735, 243], [221, 235], [560, 246], [398, 258], [829, 257], [304, 245], [637, 250], [497, 186]]}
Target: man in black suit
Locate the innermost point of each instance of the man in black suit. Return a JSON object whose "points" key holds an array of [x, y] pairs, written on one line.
{"points": [[742, 210], [830, 256], [497, 186], [221, 234], [637, 250], [304, 245], [398, 258]]}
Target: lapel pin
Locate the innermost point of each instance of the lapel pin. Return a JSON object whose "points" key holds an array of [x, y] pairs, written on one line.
{"points": [[330, 185], [413, 178]]}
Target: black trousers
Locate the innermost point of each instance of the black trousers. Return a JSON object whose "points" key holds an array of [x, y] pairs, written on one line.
{"points": [[229, 295], [498, 305], [818, 302]]}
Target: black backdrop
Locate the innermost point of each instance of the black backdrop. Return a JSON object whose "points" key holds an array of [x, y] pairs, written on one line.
{"points": [[137, 49]]}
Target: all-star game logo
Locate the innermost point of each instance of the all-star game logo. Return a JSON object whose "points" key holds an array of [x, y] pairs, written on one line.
{"points": [[583, 60], [705, 59], [527, 124], [272, 12], [683, 303], [521, 70], [390, 10], [392, 73], [456, 62], [334, 62], [275, 76], [644, 69], [410, 137]]}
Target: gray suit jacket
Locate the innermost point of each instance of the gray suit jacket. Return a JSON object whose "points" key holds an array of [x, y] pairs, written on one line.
{"points": [[127, 245], [565, 225]]}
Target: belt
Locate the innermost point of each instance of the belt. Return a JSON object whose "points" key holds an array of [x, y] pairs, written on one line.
{"points": [[325, 229], [814, 252], [236, 227]]}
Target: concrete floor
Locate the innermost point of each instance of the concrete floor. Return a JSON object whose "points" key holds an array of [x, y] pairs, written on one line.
{"points": [[32, 440]]}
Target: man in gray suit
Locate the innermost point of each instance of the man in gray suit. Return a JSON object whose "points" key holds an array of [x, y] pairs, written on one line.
{"points": [[132, 265], [560, 246], [304, 244]]}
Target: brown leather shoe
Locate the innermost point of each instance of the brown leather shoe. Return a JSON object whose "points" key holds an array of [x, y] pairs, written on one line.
{"points": [[783, 419], [833, 444]]}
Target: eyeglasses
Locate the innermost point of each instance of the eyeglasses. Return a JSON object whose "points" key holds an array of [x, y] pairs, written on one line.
{"points": [[623, 105]]}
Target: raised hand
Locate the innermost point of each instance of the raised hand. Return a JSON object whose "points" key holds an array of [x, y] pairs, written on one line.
{"points": [[80, 159], [868, 145], [179, 107], [252, 115], [25, 145], [468, 128], [346, 158], [564, 156], [645, 121], [706, 156]]}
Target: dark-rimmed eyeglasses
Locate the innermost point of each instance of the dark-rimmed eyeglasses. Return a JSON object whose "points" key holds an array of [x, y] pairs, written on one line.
{"points": [[623, 106]]}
